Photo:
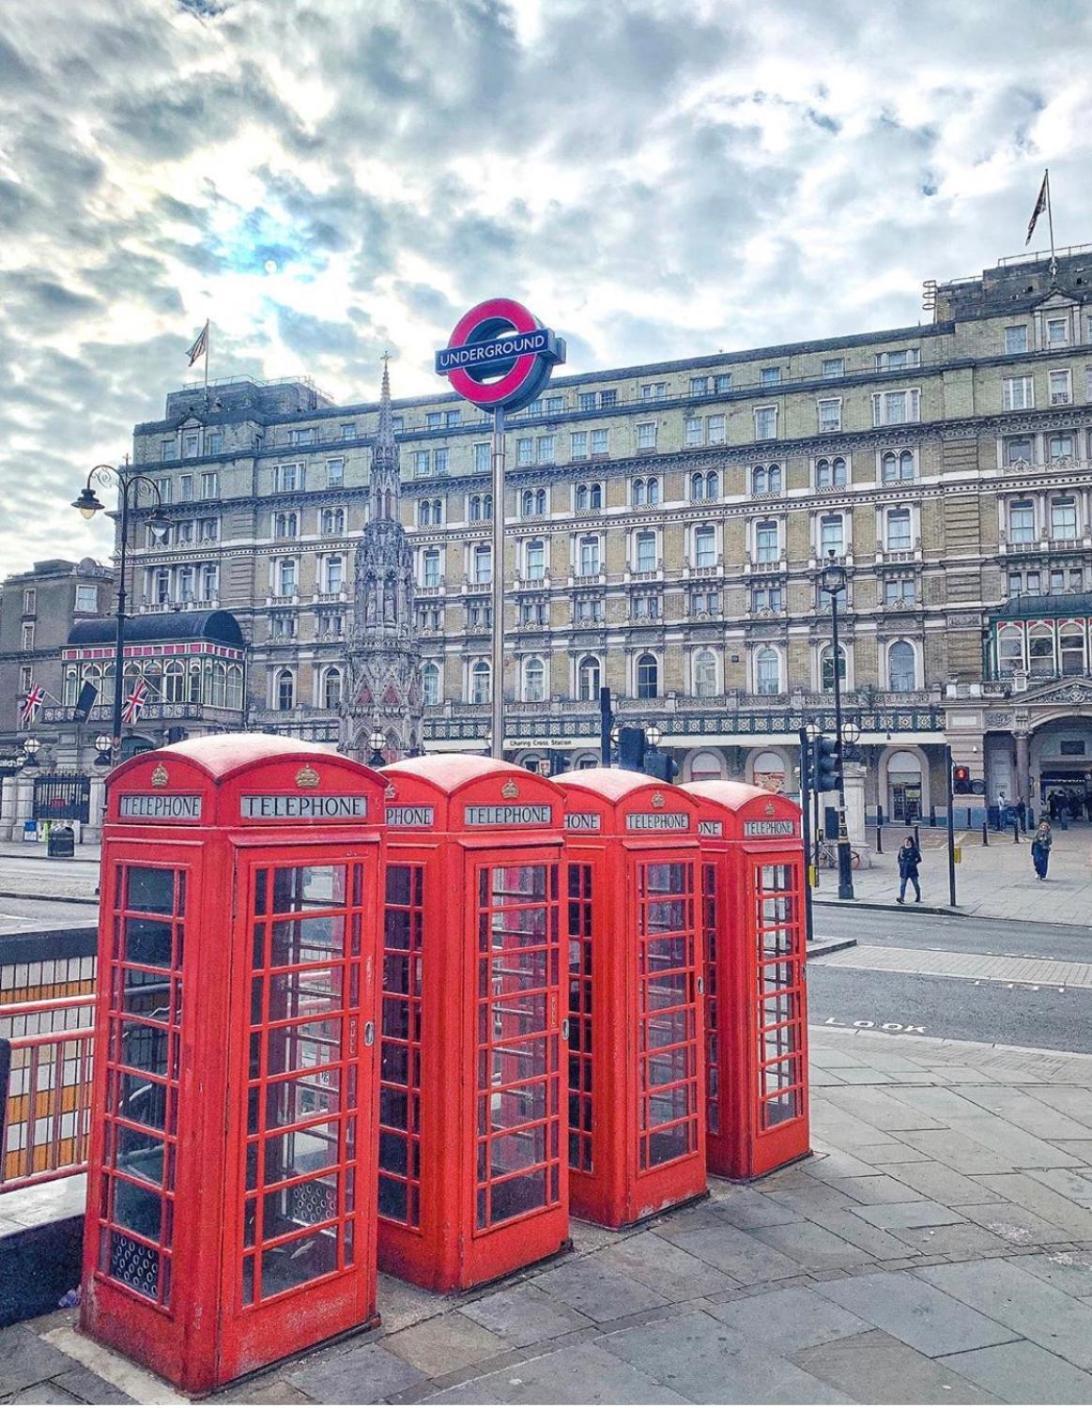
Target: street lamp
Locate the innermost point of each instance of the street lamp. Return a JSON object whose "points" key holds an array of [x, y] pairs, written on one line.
{"points": [[128, 483], [653, 736], [833, 579], [104, 744], [377, 741], [30, 748]]}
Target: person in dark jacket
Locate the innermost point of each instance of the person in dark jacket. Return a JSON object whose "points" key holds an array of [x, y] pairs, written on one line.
{"points": [[1040, 849], [909, 859]]}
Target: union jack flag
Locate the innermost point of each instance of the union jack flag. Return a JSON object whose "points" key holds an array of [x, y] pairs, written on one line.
{"points": [[135, 703], [31, 704]]}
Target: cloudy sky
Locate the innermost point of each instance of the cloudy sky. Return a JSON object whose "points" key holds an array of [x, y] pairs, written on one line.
{"points": [[326, 178]]}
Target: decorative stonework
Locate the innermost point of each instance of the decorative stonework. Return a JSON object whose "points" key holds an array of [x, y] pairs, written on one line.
{"points": [[383, 688]]}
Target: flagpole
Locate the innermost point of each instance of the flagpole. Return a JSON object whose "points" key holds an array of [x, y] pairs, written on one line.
{"points": [[1050, 222], [208, 330]]}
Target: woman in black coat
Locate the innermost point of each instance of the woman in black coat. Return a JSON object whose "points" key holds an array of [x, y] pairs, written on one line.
{"points": [[909, 859]]}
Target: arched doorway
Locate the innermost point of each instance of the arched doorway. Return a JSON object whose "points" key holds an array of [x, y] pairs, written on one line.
{"points": [[706, 766], [1061, 766], [904, 786]]}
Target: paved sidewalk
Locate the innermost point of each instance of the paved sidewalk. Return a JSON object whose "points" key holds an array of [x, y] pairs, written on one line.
{"points": [[996, 881], [936, 1248]]}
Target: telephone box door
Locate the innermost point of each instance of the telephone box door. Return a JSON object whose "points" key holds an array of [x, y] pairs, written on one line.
{"points": [[301, 1200], [777, 1022]]}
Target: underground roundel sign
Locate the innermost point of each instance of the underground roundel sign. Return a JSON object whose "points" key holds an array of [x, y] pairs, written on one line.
{"points": [[499, 356]]}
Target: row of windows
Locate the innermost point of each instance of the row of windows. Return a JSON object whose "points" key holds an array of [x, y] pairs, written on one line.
{"points": [[1034, 581], [1028, 521], [706, 665], [1044, 648], [213, 682]]}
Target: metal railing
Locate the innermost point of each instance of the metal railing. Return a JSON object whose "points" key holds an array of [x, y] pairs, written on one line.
{"points": [[45, 1089]]}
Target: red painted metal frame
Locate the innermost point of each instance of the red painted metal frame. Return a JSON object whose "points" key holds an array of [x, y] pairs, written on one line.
{"points": [[756, 993], [184, 1091], [484, 1129], [637, 1076]]}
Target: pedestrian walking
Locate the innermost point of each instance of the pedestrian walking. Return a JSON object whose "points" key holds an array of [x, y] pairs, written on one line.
{"points": [[1040, 849], [909, 859]]}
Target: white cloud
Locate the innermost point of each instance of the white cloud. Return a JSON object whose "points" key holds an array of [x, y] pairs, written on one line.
{"points": [[326, 177]]}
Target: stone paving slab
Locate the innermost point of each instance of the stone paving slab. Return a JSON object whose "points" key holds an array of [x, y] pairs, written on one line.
{"points": [[948, 1259]]}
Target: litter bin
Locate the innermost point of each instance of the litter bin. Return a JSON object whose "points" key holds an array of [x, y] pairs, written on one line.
{"points": [[62, 843]]}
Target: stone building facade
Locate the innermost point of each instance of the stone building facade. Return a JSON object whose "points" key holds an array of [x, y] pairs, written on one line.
{"points": [[665, 527]]}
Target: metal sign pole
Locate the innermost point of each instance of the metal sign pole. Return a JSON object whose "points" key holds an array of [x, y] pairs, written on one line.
{"points": [[497, 682]]}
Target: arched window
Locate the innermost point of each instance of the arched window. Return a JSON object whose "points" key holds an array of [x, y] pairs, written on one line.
{"points": [[705, 674], [424, 513], [1071, 641], [234, 686], [71, 685], [582, 498], [773, 474], [107, 694], [1010, 650], [767, 671], [430, 682], [596, 496], [759, 479], [826, 664], [331, 688], [697, 487], [218, 693], [712, 485], [333, 521], [1041, 652], [534, 680], [830, 473], [335, 572], [706, 767], [652, 488], [648, 677], [900, 665], [174, 682], [487, 505], [638, 493], [587, 679], [480, 691], [285, 690], [705, 546], [897, 465], [768, 770]]}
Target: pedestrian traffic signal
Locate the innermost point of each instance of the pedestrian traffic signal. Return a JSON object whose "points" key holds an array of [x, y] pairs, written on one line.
{"points": [[961, 779], [828, 766]]}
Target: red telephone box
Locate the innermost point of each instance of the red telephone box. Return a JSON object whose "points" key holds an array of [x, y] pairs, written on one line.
{"points": [[231, 1188], [636, 1078], [755, 994], [473, 1181]]}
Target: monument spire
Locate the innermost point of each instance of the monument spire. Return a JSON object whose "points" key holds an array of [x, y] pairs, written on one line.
{"points": [[384, 662]]}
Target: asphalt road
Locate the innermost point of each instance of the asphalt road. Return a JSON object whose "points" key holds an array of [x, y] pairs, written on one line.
{"points": [[24, 916], [910, 928], [1014, 1014]]}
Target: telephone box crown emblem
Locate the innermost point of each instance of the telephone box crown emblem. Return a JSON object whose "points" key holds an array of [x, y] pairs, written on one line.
{"points": [[510, 789], [391, 793], [657, 799], [307, 776], [159, 776], [770, 809]]}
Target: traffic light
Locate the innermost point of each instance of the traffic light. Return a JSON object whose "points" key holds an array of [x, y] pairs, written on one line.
{"points": [[828, 770], [631, 748], [661, 765], [961, 779]]}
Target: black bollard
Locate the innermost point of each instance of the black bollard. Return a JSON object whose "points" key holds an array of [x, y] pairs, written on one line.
{"points": [[1015, 833], [985, 834]]}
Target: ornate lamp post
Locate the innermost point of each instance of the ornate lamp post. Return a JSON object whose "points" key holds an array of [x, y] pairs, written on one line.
{"points": [[377, 741], [30, 752], [128, 484], [834, 579]]}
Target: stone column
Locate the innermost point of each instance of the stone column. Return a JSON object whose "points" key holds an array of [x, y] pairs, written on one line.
{"points": [[24, 804], [92, 832], [854, 774], [1023, 770], [7, 808]]}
